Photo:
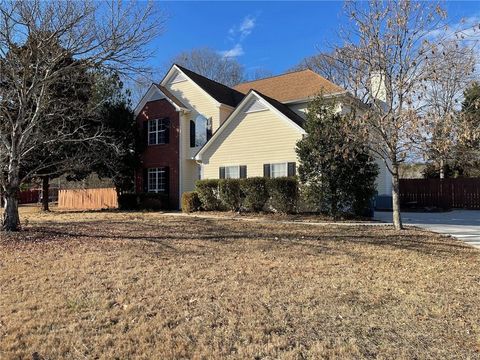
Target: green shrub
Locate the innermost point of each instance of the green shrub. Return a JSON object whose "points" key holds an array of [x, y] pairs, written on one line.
{"points": [[190, 202], [128, 201], [283, 193], [255, 193], [230, 193], [207, 191]]}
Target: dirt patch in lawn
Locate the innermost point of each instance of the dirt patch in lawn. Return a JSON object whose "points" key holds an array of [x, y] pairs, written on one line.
{"points": [[144, 285]]}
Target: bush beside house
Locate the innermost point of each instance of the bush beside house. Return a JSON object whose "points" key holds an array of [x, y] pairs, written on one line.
{"points": [[250, 194], [143, 201], [190, 201]]}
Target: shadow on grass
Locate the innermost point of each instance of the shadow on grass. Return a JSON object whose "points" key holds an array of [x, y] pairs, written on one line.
{"points": [[199, 232]]}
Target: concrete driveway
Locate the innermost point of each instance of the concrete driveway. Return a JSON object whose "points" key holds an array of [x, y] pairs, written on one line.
{"points": [[462, 224]]}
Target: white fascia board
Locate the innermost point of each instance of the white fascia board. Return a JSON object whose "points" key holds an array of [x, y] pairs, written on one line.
{"points": [[154, 90]]}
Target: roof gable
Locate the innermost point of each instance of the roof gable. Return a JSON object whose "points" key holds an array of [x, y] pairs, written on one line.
{"points": [[158, 92], [283, 112], [219, 92], [292, 86]]}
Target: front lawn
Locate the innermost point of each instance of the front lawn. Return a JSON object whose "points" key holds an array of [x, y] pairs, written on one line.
{"points": [[144, 285]]}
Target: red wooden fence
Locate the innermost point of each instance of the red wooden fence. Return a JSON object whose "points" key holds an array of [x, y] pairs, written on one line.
{"points": [[447, 193], [28, 196]]}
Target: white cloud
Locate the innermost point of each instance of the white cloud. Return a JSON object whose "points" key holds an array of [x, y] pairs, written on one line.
{"points": [[237, 34], [237, 50], [247, 26], [467, 29]]}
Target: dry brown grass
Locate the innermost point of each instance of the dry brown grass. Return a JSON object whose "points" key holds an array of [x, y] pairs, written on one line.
{"points": [[148, 286]]}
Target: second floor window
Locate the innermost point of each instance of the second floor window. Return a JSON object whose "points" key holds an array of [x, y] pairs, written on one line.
{"points": [[158, 131], [200, 131]]}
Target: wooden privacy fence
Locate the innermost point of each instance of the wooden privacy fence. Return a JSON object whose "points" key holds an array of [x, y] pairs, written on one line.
{"points": [[447, 193], [87, 199], [29, 196]]}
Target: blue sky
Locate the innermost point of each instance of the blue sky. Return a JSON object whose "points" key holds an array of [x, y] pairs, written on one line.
{"points": [[270, 35]]}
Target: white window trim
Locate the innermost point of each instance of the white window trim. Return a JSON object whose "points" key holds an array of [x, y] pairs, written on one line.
{"points": [[232, 166], [156, 189], [278, 163], [156, 131]]}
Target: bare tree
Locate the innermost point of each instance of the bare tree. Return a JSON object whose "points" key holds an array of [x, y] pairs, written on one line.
{"points": [[448, 71], [338, 67], [211, 64], [98, 35], [388, 45], [259, 73]]}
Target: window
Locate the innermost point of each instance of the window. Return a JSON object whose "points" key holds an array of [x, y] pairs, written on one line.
{"points": [[192, 133], [158, 131], [158, 180], [200, 131], [278, 170], [232, 172]]}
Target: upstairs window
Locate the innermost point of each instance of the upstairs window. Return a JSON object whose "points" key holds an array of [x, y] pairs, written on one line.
{"points": [[158, 131], [200, 131]]}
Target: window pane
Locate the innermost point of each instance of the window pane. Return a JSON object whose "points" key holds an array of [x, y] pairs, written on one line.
{"points": [[200, 130], [232, 172], [152, 132], [152, 180], [162, 130], [278, 170], [152, 138], [161, 180], [209, 129], [152, 125]]}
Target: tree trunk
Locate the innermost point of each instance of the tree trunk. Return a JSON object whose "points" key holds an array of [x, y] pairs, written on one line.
{"points": [[397, 218], [442, 169], [45, 193], [11, 219]]}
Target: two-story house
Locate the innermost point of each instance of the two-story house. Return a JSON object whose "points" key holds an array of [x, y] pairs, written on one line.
{"points": [[197, 128]]}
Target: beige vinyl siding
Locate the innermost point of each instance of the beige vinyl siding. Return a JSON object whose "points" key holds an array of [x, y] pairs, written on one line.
{"points": [[200, 103], [384, 179], [302, 108], [197, 100], [252, 139], [299, 109], [189, 168]]}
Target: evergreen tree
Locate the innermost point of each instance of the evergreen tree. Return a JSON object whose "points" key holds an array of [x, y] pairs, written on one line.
{"points": [[337, 174]]}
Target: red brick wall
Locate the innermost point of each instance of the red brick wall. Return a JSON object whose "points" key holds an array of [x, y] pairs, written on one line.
{"points": [[163, 154]]}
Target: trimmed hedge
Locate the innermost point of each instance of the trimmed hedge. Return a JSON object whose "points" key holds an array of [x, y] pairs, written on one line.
{"points": [[251, 194], [255, 193], [283, 194], [190, 202], [207, 191], [230, 193], [143, 201]]}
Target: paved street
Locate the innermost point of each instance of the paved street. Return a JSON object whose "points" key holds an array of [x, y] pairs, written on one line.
{"points": [[462, 224]]}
